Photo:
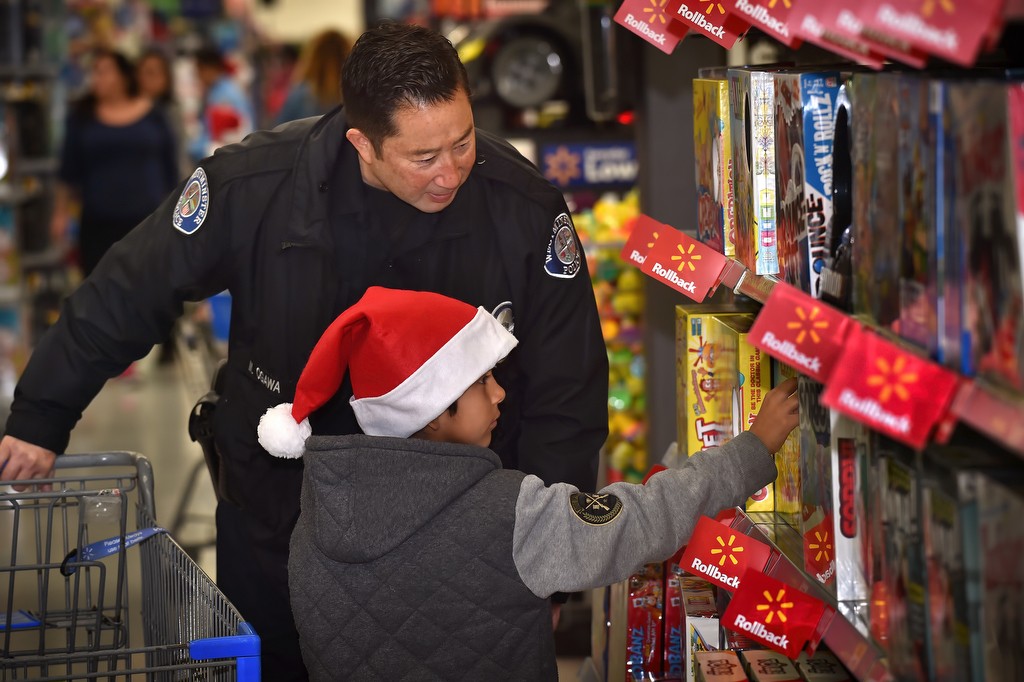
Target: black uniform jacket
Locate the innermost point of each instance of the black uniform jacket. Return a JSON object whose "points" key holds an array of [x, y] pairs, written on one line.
{"points": [[282, 206]]}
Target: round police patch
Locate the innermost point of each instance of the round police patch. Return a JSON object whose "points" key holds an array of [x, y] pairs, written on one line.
{"points": [[503, 314], [594, 509], [564, 257], [193, 204]]}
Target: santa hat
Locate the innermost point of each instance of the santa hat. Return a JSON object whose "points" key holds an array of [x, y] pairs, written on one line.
{"points": [[410, 355]]}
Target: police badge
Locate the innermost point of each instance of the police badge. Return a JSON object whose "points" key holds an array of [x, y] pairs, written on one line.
{"points": [[504, 315], [564, 256], [193, 204]]}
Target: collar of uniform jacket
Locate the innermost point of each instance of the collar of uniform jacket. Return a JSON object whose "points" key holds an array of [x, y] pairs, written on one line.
{"points": [[318, 153]]}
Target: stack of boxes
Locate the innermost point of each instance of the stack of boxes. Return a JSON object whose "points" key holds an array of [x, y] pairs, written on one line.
{"points": [[914, 185]]}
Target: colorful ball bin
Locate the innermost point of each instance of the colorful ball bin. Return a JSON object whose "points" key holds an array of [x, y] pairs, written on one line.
{"points": [[618, 288]]}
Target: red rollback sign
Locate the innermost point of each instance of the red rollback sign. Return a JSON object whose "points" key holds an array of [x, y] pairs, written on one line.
{"points": [[890, 389], [649, 20], [801, 331], [708, 18], [774, 614], [722, 555], [683, 263]]}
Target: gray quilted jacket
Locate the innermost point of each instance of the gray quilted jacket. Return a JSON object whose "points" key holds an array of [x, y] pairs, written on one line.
{"points": [[414, 560]]}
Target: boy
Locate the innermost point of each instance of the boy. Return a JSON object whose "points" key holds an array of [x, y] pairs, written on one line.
{"points": [[416, 557]]}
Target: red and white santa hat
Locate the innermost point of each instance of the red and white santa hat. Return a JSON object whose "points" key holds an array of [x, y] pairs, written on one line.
{"points": [[410, 355]]}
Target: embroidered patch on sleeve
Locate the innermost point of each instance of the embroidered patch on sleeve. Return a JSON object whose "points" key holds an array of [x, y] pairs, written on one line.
{"points": [[564, 256], [193, 204], [594, 509]]}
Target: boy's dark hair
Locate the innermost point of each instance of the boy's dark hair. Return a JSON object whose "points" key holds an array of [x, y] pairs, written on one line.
{"points": [[393, 66]]}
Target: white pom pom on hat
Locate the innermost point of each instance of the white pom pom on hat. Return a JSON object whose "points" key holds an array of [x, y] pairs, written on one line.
{"points": [[280, 434], [410, 355]]}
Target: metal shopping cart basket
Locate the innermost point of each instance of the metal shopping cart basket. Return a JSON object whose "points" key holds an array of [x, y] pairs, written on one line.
{"points": [[77, 560]]}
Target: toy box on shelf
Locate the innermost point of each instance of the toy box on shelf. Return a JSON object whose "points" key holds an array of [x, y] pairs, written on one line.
{"points": [[816, 525], [992, 322], [752, 108], [743, 378], [713, 165], [699, 425], [876, 250], [804, 132]]}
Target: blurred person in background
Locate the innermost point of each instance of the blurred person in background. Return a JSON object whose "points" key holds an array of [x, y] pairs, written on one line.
{"points": [[317, 86], [118, 162], [226, 114], [156, 81]]}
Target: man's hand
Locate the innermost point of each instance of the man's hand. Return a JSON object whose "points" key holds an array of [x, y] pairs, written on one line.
{"points": [[22, 461], [779, 415]]}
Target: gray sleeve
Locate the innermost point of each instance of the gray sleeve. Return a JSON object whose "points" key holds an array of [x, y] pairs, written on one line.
{"points": [[556, 550]]}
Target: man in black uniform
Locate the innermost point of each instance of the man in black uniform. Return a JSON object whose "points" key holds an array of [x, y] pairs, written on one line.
{"points": [[397, 189]]}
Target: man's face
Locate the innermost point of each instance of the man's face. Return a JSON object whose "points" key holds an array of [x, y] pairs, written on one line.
{"points": [[429, 157]]}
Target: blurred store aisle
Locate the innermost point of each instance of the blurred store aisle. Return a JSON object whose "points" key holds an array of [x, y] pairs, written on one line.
{"points": [[147, 412]]}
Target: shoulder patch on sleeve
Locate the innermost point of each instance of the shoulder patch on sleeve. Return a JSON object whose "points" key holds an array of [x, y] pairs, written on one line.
{"points": [[193, 204], [593, 509], [564, 255]]}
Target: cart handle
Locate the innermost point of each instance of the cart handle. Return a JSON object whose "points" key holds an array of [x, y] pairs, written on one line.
{"points": [[143, 470]]}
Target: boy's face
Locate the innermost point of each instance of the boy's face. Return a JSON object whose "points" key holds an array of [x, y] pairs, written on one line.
{"points": [[476, 416]]}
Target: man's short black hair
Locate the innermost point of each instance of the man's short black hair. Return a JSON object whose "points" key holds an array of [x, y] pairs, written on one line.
{"points": [[398, 65]]}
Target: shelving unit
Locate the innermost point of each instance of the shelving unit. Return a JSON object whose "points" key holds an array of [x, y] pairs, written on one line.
{"points": [[28, 91], [845, 635], [992, 411]]}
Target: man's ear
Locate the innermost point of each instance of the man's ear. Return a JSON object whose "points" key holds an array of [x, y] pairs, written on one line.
{"points": [[362, 144]]}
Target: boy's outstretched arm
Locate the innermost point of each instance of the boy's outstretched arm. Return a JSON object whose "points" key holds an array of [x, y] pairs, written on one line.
{"points": [[566, 541]]}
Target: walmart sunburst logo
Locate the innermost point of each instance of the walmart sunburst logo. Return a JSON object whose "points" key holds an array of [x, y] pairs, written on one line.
{"points": [[892, 379], [808, 324], [656, 12], [775, 606], [823, 545], [650, 244], [787, 3], [685, 257], [712, 4], [928, 8], [727, 550]]}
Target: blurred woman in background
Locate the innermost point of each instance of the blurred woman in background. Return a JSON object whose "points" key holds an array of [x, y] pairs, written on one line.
{"points": [[118, 162], [317, 87], [156, 81]]}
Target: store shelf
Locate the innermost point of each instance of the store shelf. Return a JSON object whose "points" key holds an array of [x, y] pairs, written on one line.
{"points": [[843, 637], [8, 72], [39, 166], [990, 410], [10, 194]]}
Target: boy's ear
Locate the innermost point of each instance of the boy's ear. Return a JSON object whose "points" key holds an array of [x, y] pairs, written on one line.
{"points": [[433, 425]]}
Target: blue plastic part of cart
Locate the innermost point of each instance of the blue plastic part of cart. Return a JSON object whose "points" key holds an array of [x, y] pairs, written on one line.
{"points": [[243, 647], [19, 620]]}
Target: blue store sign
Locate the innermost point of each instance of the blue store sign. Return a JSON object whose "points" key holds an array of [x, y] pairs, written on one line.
{"points": [[581, 165]]}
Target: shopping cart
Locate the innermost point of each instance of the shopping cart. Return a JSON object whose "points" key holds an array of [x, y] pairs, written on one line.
{"points": [[75, 563]]}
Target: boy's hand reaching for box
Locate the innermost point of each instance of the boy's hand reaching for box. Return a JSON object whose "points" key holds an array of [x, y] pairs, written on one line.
{"points": [[778, 416]]}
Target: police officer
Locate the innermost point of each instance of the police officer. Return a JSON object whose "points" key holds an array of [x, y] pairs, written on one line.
{"points": [[396, 189]]}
